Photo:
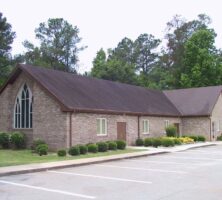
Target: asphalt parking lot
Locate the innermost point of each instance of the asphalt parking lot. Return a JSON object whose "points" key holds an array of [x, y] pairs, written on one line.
{"points": [[192, 174]]}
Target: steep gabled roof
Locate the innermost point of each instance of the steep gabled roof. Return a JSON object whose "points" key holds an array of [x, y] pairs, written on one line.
{"points": [[195, 101], [86, 94]]}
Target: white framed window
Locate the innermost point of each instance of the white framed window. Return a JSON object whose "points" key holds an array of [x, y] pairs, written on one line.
{"points": [[23, 108], [146, 126], [166, 123], [218, 125], [101, 126]]}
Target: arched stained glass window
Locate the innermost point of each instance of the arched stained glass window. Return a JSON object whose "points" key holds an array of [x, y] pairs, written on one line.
{"points": [[23, 108]]}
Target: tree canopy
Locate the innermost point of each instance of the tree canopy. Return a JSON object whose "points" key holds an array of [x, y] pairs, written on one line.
{"points": [[58, 46], [189, 59], [6, 39]]}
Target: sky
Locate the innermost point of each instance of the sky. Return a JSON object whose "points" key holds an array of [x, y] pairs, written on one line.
{"points": [[103, 23]]}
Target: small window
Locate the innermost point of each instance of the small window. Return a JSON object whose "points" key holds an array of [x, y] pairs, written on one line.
{"points": [[101, 126], [166, 123], [218, 125], [146, 127]]}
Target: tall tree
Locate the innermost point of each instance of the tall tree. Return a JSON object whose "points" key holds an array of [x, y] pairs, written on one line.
{"points": [[113, 68], [178, 32], [6, 39], [200, 59], [144, 52], [124, 51], [58, 45]]}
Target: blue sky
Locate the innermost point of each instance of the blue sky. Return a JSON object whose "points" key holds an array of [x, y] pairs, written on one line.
{"points": [[103, 23]]}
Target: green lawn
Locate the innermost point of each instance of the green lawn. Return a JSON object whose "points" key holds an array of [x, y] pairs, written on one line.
{"points": [[19, 157]]}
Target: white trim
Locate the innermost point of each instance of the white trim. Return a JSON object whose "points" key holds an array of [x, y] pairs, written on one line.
{"points": [[145, 132], [218, 125], [101, 127], [166, 123], [18, 115]]}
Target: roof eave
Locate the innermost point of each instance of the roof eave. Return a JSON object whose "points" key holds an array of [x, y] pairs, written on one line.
{"points": [[113, 112]]}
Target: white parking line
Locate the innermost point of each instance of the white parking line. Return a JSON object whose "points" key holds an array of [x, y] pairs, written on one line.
{"points": [[162, 162], [47, 189], [205, 152], [101, 177], [192, 158], [144, 169]]}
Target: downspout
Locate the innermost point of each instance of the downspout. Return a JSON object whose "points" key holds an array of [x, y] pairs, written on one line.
{"points": [[138, 122], [210, 130], [70, 129]]}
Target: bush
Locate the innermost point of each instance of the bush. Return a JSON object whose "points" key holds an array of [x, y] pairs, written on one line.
{"points": [[102, 146], [74, 151], [61, 152], [156, 142], [93, 148], [201, 138], [219, 138], [186, 140], [139, 142], [42, 149], [4, 140], [18, 140], [177, 141], [37, 142], [121, 144], [167, 142], [148, 142], [112, 145], [83, 149], [194, 137], [171, 131]]}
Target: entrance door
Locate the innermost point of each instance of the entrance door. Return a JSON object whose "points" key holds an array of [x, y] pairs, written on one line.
{"points": [[121, 131], [177, 125]]}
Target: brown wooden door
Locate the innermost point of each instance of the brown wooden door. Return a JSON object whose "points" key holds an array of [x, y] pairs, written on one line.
{"points": [[121, 131], [177, 125]]}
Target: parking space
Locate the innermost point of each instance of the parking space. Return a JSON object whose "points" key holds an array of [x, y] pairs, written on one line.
{"points": [[193, 174]]}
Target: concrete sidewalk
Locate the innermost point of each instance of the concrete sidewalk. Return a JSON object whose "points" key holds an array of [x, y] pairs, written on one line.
{"points": [[21, 169]]}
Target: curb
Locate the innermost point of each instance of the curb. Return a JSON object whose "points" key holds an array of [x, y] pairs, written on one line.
{"points": [[30, 168]]}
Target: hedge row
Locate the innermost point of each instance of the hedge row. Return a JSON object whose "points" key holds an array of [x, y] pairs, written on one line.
{"points": [[14, 140], [168, 141], [93, 148]]}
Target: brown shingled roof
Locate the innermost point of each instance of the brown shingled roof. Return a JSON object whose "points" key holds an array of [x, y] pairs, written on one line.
{"points": [[195, 101], [86, 94]]}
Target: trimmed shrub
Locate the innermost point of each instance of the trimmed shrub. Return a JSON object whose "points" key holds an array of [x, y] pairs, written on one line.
{"points": [[219, 138], [42, 149], [121, 144], [186, 140], [156, 142], [37, 142], [171, 131], [4, 140], [112, 145], [177, 141], [93, 148], [61, 152], [148, 142], [18, 140], [201, 138], [194, 137], [102, 146], [139, 142], [83, 149], [167, 142], [74, 151]]}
